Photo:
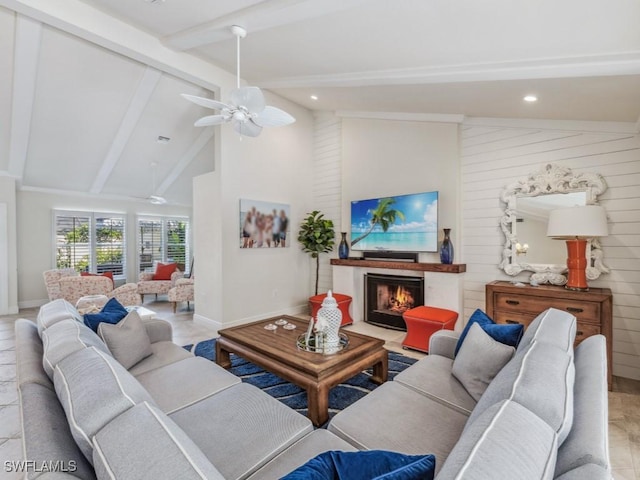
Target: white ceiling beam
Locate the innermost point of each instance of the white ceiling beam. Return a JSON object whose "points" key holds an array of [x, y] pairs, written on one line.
{"points": [[185, 160], [128, 124], [260, 16], [26, 52], [84, 21], [581, 66]]}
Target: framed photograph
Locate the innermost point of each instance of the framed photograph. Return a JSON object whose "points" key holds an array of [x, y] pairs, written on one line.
{"points": [[264, 224]]}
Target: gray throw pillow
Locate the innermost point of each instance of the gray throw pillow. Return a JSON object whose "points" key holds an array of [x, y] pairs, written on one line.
{"points": [[479, 360], [127, 340]]}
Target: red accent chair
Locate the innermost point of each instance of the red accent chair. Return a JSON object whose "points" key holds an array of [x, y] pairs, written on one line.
{"points": [[424, 321], [344, 301]]}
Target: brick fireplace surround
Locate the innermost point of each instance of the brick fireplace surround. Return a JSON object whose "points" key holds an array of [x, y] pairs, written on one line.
{"points": [[443, 284]]}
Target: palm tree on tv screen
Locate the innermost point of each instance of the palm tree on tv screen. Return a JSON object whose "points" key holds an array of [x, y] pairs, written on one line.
{"points": [[383, 215]]}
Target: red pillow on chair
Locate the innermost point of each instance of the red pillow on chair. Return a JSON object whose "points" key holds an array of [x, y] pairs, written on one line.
{"points": [[105, 274], [164, 271]]}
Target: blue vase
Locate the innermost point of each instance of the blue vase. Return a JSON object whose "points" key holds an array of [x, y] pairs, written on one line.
{"points": [[446, 249], [343, 248]]}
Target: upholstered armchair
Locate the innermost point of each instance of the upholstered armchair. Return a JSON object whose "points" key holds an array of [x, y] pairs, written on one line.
{"points": [[147, 285], [68, 284], [182, 292]]}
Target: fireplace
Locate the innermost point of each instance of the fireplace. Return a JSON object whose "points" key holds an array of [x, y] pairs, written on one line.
{"points": [[387, 297]]}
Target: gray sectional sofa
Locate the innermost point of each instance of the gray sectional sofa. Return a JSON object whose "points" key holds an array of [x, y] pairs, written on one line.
{"points": [[173, 415]]}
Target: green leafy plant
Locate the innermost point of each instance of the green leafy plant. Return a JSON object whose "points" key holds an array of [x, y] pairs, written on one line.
{"points": [[316, 236]]}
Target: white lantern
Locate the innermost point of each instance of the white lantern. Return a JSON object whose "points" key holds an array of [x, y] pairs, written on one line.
{"points": [[331, 317]]}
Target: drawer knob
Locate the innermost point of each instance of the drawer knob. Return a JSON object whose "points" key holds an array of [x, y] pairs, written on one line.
{"points": [[512, 322], [513, 302], [579, 333], [574, 310]]}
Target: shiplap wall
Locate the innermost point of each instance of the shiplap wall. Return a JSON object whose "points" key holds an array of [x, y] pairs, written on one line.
{"points": [[493, 157], [327, 197]]}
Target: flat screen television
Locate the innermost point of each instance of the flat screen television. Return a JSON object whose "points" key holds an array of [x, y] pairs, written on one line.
{"points": [[402, 223]]}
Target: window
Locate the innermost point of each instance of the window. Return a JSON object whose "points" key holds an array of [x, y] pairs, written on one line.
{"points": [[163, 240], [90, 242]]}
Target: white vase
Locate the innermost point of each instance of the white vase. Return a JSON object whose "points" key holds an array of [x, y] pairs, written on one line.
{"points": [[332, 318]]}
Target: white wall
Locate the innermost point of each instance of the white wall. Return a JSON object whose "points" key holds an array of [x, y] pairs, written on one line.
{"points": [[493, 156], [358, 158], [8, 245], [239, 285], [35, 231], [389, 157]]}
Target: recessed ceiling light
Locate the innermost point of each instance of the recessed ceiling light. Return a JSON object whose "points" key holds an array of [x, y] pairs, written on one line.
{"points": [[530, 98], [314, 97], [162, 139]]}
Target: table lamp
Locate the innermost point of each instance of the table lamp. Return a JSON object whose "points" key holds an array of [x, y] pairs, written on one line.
{"points": [[576, 225]]}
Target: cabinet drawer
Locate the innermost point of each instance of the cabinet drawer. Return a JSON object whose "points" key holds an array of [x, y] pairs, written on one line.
{"points": [[583, 311], [513, 317], [584, 331]]}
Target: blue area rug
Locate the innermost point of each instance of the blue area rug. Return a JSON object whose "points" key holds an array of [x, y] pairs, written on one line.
{"points": [[293, 396]]}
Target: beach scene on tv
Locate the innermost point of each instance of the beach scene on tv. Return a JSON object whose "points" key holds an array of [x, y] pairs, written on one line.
{"points": [[403, 223]]}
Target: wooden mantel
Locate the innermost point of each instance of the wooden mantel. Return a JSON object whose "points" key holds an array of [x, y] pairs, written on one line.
{"points": [[418, 267]]}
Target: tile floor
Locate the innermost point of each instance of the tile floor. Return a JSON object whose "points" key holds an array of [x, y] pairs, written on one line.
{"points": [[624, 401]]}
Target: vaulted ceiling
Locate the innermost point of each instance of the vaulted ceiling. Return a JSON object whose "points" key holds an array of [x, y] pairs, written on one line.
{"points": [[78, 116]]}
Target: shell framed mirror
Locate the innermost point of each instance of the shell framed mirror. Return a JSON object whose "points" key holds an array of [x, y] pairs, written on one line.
{"points": [[527, 204]]}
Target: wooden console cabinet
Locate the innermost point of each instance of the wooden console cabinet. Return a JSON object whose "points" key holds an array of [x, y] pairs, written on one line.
{"points": [[507, 303]]}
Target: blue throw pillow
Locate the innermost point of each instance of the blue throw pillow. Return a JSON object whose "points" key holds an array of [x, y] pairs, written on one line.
{"points": [[509, 334], [112, 312], [366, 465]]}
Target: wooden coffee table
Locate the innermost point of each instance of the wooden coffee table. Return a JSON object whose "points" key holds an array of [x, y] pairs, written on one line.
{"points": [[277, 352]]}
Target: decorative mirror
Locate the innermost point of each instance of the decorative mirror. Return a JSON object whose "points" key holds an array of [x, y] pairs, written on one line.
{"points": [[524, 223]]}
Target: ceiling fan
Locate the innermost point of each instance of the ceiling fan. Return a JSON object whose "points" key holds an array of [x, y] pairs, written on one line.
{"points": [[153, 198], [246, 110]]}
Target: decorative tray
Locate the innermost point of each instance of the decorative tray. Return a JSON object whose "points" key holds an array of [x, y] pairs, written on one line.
{"points": [[311, 346]]}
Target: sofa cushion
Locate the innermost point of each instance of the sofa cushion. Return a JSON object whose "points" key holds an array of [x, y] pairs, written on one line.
{"points": [[94, 389], [540, 378], [112, 312], [164, 353], [588, 439], [394, 417], [299, 453], [503, 333], [164, 271], [373, 464], [63, 339], [46, 435], [240, 428], [127, 340], [109, 275], [198, 379], [29, 350], [507, 438], [479, 360], [55, 311], [552, 326], [431, 376], [588, 471], [143, 443]]}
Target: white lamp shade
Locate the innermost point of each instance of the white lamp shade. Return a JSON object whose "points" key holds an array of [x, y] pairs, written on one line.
{"points": [[578, 222]]}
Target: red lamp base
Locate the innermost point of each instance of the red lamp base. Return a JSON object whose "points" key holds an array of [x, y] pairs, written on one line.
{"points": [[577, 265]]}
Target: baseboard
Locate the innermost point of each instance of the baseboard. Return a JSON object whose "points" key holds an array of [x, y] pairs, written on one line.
{"points": [[209, 322], [32, 303]]}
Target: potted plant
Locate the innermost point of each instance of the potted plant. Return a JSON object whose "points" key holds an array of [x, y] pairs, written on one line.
{"points": [[316, 236]]}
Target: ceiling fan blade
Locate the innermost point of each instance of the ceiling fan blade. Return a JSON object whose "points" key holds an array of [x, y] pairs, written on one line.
{"points": [[250, 98], [273, 117], [211, 120], [248, 128], [205, 102]]}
